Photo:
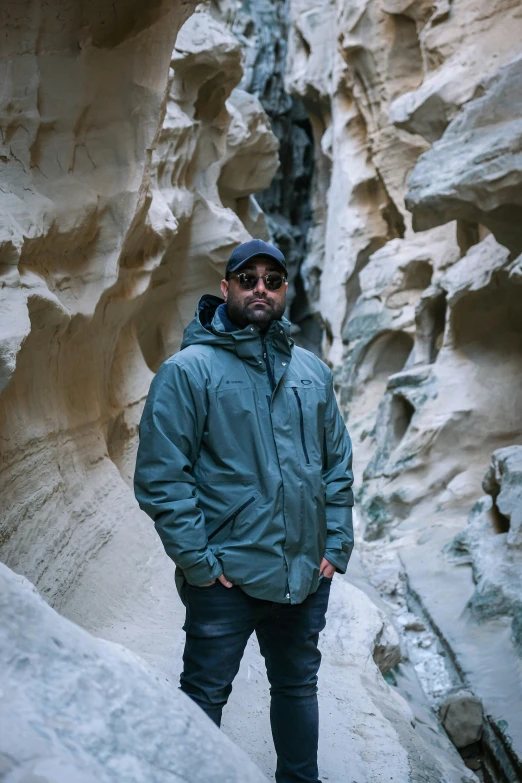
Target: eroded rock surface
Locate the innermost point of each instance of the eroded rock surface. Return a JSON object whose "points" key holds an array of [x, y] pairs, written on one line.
{"points": [[492, 540], [104, 273], [474, 172]]}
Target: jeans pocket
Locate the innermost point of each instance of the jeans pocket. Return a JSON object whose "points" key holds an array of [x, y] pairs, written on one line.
{"points": [[202, 588]]}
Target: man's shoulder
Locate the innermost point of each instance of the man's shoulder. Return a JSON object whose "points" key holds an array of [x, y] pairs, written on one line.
{"points": [[192, 359], [192, 354], [310, 360]]}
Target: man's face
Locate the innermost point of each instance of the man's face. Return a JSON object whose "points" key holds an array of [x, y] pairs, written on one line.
{"points": [[259, 306]]}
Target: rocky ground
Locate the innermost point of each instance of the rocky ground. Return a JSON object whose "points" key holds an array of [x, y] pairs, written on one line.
{"points": [[78, 709]]}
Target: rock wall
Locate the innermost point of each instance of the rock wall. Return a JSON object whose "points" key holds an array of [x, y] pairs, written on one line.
{"points": [[413, 268], [114, 223]]}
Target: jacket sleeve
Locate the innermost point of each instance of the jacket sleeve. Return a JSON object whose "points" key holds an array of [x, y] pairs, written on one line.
{"points": [[170, 430], [338, 476]]}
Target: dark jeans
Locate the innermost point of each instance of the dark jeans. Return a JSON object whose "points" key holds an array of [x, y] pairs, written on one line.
{"points": [[218, 624]]}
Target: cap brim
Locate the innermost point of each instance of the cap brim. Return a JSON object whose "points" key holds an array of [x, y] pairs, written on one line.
{"points": [[257, 255]]}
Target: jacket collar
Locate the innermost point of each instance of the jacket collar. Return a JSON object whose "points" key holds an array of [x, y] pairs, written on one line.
{"points": [[250, 344], [210, 328]]}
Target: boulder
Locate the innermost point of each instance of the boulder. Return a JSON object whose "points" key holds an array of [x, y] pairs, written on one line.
{"points": [[76, 709], [461, 716]]}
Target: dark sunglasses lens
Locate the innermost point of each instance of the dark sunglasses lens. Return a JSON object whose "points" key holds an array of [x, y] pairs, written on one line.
{"points": [[246, 281], [273, 281]]}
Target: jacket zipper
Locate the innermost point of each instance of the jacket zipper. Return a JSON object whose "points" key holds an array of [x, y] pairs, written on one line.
{"points": [[267, 365], [301, 423], [232, 517]]}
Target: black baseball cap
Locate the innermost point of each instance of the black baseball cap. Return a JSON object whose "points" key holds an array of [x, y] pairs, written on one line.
{"points": [[251, 249]]}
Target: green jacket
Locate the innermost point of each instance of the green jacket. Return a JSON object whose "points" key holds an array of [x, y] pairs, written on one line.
{"points": [[244, 461]]}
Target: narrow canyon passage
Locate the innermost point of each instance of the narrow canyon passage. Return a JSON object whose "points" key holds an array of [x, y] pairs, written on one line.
{"points": [[378, 145]]}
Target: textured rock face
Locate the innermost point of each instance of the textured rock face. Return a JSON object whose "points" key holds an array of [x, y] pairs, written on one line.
{"points": [[396, 67], [474, 172], [416, 114], [122, 201], [77, 709], [503, 482], [461, 716], [492, 541], [124, 187]]}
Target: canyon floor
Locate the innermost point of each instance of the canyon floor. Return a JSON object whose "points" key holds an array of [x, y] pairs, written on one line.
{"points": [[368, 733]]}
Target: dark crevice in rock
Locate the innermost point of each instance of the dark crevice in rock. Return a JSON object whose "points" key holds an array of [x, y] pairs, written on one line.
{"points": [[353, 285], [401, 414], [489, 320], [499, 522], [430, 320], [310, 323], [263, 27], [468, 234]]}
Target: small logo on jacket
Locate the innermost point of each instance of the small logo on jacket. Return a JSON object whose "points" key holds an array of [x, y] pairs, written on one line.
{"points": [[306, 383]]}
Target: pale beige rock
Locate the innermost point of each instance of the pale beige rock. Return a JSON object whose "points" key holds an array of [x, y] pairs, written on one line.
{"points": [[491, 543], [112, 226], [429, 396], [461, 715], [107, 261], [383, 331], [362, 160], [462, 44], [423, 330], [368, 71]]}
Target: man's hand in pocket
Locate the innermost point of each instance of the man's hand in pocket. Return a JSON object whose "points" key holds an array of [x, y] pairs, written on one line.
{"points": [[326, 568]]}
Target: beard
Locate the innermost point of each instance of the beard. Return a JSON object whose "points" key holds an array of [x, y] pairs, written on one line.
{"points": [[242, 311]]}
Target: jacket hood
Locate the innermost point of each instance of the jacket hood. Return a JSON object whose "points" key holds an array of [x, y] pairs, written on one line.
{"points": [[208, 327]]}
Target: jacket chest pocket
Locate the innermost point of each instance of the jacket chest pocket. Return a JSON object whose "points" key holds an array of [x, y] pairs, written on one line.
{"points": [[301, 424], [307, 409], [220, 529]]}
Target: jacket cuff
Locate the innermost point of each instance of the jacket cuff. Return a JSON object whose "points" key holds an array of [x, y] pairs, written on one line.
{"points": [[338, 553], [205, 570]]}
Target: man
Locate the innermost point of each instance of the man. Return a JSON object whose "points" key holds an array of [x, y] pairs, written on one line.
{"points": [[244, 465]]}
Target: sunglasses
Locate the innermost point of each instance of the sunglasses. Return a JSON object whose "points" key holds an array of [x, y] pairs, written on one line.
{"points": [[248, 280]]}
